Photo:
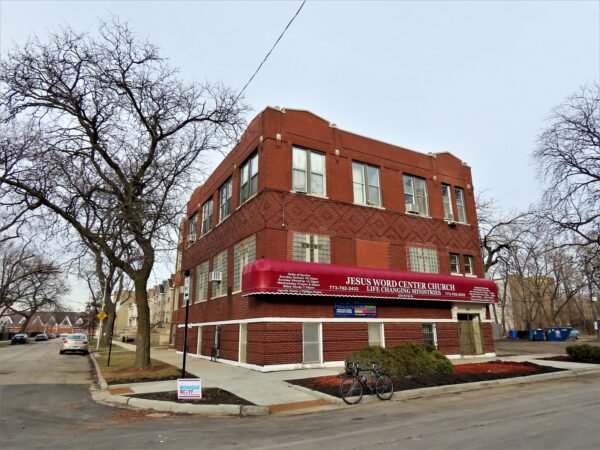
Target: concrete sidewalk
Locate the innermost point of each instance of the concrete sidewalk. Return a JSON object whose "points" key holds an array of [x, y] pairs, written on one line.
{"points": [[268, 390]]}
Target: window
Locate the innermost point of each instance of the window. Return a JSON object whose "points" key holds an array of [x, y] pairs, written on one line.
{"points": [[192, 229], [455, 263], [207, 214], [469, 269], [225, 200], [244, 252], [201, 282], [249, 178], [365, 180], [423, 260], [219, 288], [375, 334], [429, 334], [415, 195], [311, 248], [460, 204], [311, 342], [308, 171], [447, 201]]}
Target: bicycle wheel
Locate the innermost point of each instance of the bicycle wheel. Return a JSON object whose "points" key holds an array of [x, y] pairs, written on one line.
{"points": [[351, 389], [384, 386]]}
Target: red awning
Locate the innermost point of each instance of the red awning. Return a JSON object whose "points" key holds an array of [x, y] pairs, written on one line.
{"points": [[268, 276]]}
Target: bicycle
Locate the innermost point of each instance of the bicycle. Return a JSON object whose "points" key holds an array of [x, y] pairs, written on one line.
{"points": [[379, 383]]}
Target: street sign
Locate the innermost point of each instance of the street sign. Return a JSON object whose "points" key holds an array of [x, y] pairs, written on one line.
{"points": [[101, 315]]}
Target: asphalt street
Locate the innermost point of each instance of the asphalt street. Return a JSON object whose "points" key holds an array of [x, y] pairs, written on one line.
{"points": [[45, 403]]}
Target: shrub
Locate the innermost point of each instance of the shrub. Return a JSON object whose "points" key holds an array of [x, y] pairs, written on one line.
{"points": [[584, 353], [403, 360]]}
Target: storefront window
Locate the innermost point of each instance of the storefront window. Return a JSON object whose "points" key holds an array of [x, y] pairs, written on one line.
{"points": [[311, 342]]}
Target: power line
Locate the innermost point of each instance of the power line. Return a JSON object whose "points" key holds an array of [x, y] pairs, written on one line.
{"points": [[270, 51]]}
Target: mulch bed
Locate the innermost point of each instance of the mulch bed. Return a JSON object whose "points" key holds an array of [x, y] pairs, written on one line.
{"points": [[567, 358], [210, 396], [464, 373]]}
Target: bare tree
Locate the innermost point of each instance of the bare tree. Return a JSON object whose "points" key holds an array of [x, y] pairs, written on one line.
{"points": [[111, 133], [568, 158]]}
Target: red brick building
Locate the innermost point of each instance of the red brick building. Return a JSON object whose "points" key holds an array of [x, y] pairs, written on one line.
{"points": [[309, 242]]}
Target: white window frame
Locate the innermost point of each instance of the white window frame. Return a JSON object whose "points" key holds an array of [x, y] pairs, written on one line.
{"points": [[461, 211], [319, 342], [411, 194], [363, 184], [219, 288], [207, 215], [225, 195], [249, 178], [423, 259], [201, 274], [447, 202], [469, 267], [458, 270], [433, 332], [307, 173]]}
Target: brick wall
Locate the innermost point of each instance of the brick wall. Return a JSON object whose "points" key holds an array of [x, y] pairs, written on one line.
{"points": [[341, 339]]}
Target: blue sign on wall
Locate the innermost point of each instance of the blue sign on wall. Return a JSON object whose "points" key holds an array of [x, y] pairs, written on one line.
{"points": [[354, 310]]}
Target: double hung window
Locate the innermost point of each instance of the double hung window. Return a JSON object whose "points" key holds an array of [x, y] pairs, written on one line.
{"points": [[447, 201], [308, 171], [455, 263], [225, 200], [415, 195], [311, 248], [423, 260], [249, 178], [469, 269], [365, 181], [192, 228], [207, 215], [219, 288], [201, 294], [460, 204]]}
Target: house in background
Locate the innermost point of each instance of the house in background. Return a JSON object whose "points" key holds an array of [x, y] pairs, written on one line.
{"points": [[126, 320], [47, 322]]}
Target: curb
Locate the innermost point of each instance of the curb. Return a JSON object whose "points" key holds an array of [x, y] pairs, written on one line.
{"points": [[103, 396]]}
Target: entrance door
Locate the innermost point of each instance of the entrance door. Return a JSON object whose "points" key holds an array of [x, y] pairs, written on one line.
{"points": [[243, 342], [469, 328]]}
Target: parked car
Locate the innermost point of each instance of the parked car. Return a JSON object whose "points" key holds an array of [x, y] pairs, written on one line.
{"points": [[19, 338], [41, 337], [63, 335], [75, 343], [51, 335], [575, 334]]}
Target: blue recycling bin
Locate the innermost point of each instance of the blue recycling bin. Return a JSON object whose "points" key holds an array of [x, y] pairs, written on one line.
{"points": [[557, 333], [536, 334], [512, 334]]}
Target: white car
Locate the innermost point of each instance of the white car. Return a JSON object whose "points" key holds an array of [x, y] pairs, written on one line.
{"points": [[75, 343]]}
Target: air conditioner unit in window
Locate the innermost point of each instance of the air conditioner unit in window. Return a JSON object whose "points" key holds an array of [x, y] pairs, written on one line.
{"points": [[214, 276], [191, 238], [450, 220], [412, 208]]}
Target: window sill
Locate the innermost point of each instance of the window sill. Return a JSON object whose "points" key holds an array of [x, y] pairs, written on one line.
{"points": [[456, 274], [236, 292], [202, 235], [470, 275], [310, 194], [220, 296], [417, 215], [370, 206], [242, 204], [224, 219]]}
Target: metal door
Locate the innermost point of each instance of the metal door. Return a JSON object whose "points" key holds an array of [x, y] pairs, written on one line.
{"points": [[469, 329]]}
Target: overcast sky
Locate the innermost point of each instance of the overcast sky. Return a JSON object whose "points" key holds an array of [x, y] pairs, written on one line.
{"points": [[476, 78]]}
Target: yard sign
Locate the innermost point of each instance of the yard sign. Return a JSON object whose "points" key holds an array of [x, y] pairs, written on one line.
{"points": [[189, 388]]}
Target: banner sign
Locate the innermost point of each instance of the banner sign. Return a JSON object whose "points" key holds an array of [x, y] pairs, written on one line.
{"points": [[349, 310], [189, 388], [267, 276]]}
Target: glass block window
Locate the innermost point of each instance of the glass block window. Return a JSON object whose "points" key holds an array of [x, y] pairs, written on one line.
{"points": [[308, 171], [460, 205], [201, 282], [423, 260], [415, 195], [225, 200], [375, 334], [429, 334], [311, 342], [455, 263], [207, 215], [249, 178], [219, 288], [311, 248], [244, 252], [365, 181]]}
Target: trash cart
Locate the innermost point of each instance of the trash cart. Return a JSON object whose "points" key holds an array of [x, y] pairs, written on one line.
{"points": [[537, 334], [512, 334], [557, 333]]}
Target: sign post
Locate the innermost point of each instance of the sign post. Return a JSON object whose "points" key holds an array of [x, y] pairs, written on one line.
{"points": [[186, 297], [112, 331]]}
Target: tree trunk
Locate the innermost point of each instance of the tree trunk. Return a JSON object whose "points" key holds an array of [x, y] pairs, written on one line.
{"points": [[107, 325], [142, 351], [27, 319]]}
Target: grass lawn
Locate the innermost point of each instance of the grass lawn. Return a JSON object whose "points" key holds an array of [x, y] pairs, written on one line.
{"points": [[121, 370]]}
